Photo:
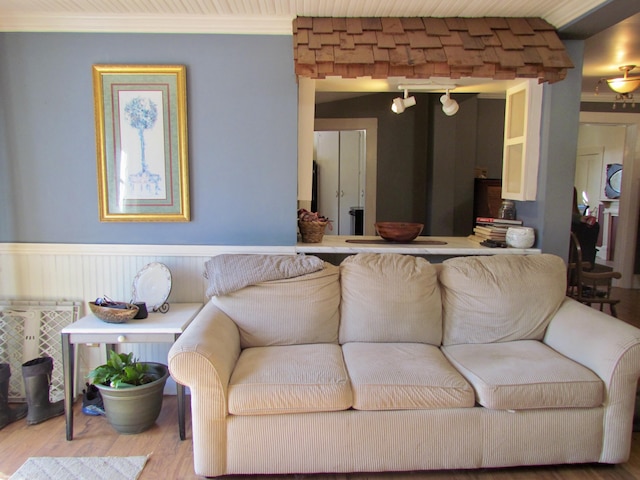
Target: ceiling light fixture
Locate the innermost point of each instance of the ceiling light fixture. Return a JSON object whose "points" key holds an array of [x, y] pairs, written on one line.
{"points": [[427, 87], [449, 105], [623, 86], [400, 104]]}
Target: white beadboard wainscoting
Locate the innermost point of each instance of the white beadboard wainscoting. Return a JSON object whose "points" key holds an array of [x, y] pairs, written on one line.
{"points": [[83, 272]]}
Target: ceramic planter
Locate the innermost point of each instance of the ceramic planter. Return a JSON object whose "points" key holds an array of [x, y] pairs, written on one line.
{"points": [[135, 409]]}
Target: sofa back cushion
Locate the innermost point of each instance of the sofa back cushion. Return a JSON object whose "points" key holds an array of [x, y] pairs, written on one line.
{"points": [[293, 311], [389, 298], [500, 298]]}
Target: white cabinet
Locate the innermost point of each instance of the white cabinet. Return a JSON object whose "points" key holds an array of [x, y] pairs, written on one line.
{"points": [[521, 153], [340, 163]]}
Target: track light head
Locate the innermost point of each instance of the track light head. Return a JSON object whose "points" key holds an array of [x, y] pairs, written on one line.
{"points": [[399, 105], [449, 105]]}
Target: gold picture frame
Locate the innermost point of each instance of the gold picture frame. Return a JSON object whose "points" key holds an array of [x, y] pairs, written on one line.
{"points": [[141, 142]]}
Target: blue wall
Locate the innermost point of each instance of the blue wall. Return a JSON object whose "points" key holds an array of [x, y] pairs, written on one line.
{"points": [[551, 213], [242, 122]]}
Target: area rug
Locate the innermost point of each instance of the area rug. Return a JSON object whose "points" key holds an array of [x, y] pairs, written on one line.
{"points": [[81, 468]]}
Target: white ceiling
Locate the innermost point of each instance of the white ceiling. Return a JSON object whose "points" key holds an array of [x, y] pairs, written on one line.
{"points": [[258, 16], [604, 52]]}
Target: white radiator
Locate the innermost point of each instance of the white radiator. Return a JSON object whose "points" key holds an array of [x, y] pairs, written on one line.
{"points": [[28, 330]]}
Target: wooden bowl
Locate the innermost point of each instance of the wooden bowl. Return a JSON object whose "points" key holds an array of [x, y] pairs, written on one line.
{"points": [[114, 315], [399, 231]]}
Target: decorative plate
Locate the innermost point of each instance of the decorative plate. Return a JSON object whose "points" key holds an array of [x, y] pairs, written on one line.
{"points": [[614, 180], [152, 286]]}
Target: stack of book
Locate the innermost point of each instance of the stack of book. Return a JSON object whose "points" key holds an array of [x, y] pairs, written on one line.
{"points": [[495, 229]]}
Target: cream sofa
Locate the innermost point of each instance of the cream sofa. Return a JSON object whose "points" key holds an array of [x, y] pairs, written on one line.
{"points": [[390, 363]]}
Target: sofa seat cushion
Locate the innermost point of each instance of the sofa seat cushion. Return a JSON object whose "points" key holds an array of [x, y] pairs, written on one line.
{"points": [[525, 374], [500, 298], [389, 298], [291, 311], [404, 376], [289, 379]]}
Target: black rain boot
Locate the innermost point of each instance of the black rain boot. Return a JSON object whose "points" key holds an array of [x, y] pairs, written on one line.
{"points": [[8, 415], [37, 380]]}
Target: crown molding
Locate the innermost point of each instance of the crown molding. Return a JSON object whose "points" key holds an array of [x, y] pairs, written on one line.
{"points": [[228, 24], [600, 98]]}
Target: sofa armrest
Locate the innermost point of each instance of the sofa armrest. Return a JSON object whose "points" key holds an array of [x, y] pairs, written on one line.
{"points": [[611, 349], [203, 359], [204, 356]]}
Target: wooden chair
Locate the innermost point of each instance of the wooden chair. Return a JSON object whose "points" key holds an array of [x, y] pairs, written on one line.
{"points": [[586, 286]]}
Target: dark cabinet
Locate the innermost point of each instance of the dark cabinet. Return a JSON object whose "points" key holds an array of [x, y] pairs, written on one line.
{"points": [[487, 197]]}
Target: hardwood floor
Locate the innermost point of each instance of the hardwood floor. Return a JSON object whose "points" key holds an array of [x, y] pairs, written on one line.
{"points": [[629, 307], [170, 458]]}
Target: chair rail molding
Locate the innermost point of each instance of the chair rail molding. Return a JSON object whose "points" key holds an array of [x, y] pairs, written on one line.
{"points": [[137, 249], [82, 272]]}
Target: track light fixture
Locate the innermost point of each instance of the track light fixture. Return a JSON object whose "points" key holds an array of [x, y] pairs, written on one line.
{"points": [[400, 104], [449, 105]]}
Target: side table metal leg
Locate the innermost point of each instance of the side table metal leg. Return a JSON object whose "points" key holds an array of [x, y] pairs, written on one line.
{"points": [[180, 395], [68, 367], [181, 406]]}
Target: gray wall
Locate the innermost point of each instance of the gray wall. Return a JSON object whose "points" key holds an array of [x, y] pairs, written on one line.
{"points": [[242, 119], [472, 137], [490, 125], [426, 160], [402, 141]]}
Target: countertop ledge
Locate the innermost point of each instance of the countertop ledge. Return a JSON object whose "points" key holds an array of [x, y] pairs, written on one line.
{"points": [[451, 246]]}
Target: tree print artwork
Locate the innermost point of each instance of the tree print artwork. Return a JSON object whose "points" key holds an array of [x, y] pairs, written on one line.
{"points": [[141, 113], [141, 142], [142, 158]]}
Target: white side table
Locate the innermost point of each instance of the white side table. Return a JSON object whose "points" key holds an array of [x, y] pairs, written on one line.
{"points": [[156, 328]]}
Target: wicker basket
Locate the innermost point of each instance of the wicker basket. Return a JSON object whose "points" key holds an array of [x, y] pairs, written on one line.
{"points": [[114, 315], [312, 232]]}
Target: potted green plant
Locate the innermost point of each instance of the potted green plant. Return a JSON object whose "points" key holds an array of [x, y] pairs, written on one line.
{"points": [[132, 391]]}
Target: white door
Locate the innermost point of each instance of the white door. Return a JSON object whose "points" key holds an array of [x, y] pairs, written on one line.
{"points": [[340, 160], [326, 154], [589, 170], [351, 190]]}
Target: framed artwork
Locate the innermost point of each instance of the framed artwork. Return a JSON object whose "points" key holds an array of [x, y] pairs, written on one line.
{"points": [[141, 142]]}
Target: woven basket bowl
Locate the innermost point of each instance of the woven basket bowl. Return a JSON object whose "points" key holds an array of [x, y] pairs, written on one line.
{"points": [[113, 315], [312, 232], [399, 231]]}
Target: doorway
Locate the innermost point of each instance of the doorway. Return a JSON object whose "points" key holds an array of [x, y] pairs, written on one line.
{"points": [[590, 181], [625, 242], [340, 177], [366, 195]]}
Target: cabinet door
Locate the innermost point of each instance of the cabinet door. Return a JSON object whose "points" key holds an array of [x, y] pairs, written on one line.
{"points": [[340, 161], [327, 155], [522, 141], [350, 189]]}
